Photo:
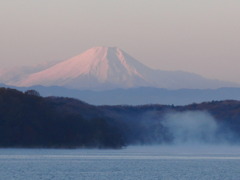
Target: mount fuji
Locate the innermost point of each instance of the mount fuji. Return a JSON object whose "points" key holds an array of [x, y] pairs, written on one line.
{"points": [[102, 68]]}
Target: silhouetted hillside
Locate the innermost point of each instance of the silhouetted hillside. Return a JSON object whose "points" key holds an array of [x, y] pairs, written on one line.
{"points": [[147, 123], [29, 120]]}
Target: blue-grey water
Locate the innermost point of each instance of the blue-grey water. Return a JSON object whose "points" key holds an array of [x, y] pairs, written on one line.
{"points": [[132, 163]]}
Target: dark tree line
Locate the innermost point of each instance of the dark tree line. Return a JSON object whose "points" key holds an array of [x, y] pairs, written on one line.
{"points": [[29, 120]]}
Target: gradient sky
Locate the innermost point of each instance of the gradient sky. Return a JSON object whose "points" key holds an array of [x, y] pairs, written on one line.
{"points": [[201, 36]]}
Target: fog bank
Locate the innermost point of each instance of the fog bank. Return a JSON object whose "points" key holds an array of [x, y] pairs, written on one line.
{"points": [[191, 127]]}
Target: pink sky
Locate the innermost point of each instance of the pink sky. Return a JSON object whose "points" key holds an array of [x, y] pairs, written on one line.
{"points": [[198, 36]]}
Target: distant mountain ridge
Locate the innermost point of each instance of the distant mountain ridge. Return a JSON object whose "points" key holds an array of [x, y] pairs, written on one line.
{"points": [[139, 96], [104, 68]]}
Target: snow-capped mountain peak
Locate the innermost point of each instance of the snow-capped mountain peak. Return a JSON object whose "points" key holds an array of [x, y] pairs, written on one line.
{"points": [[108, 65], [109, 68]]}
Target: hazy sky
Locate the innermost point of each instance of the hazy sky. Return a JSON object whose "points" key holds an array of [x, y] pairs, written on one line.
{"points": [[201, 36]]}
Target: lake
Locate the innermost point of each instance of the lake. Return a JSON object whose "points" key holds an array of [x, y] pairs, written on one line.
{"points": [[132, 163]]}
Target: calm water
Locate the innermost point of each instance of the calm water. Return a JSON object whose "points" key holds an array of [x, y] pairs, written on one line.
{"points": [[135, 163]]}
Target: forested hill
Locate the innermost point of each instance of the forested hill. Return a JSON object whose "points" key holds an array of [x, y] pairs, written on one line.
{"points": [[29, 120]]}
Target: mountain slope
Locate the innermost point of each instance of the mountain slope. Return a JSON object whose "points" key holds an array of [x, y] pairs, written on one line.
{"points": [[94, 67], [108, 68], [15, 74]]}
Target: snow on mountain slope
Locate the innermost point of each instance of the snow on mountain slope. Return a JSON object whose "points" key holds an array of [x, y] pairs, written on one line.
{"points": [[13, 75], [110, 67], [99, 65]]}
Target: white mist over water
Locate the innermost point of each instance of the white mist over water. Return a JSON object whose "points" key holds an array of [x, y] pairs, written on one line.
{"points": [[191, 127]]}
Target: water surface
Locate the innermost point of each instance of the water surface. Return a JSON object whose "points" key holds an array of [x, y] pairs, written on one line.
{"points": [[132, 163]]}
